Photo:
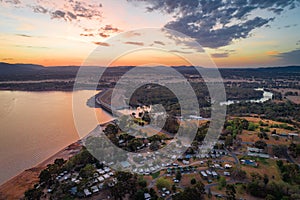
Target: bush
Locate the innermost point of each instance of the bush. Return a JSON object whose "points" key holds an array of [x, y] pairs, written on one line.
{"points": [[193, 181]]}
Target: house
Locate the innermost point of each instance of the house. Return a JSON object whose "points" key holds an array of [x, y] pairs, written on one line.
{"points": [[214, 174], [100, 171], [227, 166], [293, 134], [208, 172], [87, 192], [254, 150], [121, 141], [106, 176], [147, 196], [226, 173], [100, 186], [106, 169], [111, 173], [261, 155], [186, 162], [111, 184], [203, 174], [100, 179], [217, 166], [94, 189]]}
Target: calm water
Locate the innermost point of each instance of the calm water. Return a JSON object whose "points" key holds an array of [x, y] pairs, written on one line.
{"points": [[35, 125], [266, 97]]}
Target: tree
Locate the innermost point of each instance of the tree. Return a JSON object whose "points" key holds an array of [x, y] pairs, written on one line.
{"points": [[45, 176], [245, 124], [209, 194], [295, 149], [153, 194], [193, 181], [163, 183], [59, 161], [260, 144], [200, 187], [134, 144], [270, 197], [279, 164], [142, 183], [111, 129], [171, 125], [178, 175], [279, 150], [252, 126], [127, 184], [230, 192], [154, 146], [228, 140], [209, 162], [174, 188], [194, 193], [33, 194], [87, 171], [222, 182], [139, 195], [146, 117], [266, 179]]}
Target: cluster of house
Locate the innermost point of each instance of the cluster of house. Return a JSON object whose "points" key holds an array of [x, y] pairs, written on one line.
{"points": [[164, 192], [147, 170], [213, 154], [98, 181], [291, 135], [256, 152], [207, 173], [145, 162], [95, 184], [187, 169]]}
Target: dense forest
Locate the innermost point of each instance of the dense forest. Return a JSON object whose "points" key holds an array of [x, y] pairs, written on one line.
{"points": [[283, 111]]}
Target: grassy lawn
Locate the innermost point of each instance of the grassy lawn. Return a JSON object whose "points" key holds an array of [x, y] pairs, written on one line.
{"points": [[155, 175], [261, 161]]}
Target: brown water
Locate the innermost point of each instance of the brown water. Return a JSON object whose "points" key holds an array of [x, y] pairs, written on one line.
{"points": [[35, 125]]}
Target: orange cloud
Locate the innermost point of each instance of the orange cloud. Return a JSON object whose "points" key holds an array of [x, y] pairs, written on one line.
{"points": [[272, 53]]}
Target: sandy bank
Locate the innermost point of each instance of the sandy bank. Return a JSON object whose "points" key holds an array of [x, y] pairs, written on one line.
{"points": [[15, 187]]}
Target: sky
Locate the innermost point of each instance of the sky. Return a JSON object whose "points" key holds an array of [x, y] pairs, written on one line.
{"points": [[224, 33]]}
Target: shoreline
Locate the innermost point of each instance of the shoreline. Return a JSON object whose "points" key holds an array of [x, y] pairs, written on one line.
{"points": [[15, 187], [47, 90]]}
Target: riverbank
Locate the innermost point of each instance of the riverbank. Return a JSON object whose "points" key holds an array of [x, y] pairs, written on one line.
{"points": [[15, 187]]}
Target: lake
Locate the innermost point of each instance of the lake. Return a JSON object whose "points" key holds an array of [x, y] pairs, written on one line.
{"points": [[36, 125], [266, 97]]}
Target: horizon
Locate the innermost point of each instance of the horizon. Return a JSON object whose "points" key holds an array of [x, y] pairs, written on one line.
{"points": [[255, 67]]}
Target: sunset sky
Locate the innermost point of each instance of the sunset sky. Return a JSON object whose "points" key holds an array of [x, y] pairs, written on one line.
{"points": [[235, 33]]}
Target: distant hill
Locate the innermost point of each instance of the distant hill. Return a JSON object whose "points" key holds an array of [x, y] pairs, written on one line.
{"points": [[6, 68], [19, 72], [265, 72]]}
